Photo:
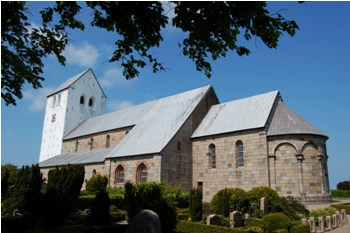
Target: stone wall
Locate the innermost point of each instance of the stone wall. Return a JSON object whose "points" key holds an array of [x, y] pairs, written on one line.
{"points": [[227, 172], [298, 167], [99, 141]]}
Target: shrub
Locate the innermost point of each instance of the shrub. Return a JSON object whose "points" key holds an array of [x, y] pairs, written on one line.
{"points": [[151, 196], [100, 210], [275, 221], [344, 185], [220, 203], [190, 227], [259, 192], [96, 183], [239, 200], [301, 228], [328, 211], [288, 206], [118, 215], [196, 206], [341, 206], [254, 229]]}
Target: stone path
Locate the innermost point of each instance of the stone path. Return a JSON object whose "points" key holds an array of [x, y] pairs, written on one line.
{"points": [[342, 229]]}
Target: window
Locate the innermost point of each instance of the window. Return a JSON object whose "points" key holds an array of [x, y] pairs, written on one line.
{"points": [[94, 172], [82, 100], [141, 173], [108, 140], [240, 154], [76, 145], [53, 103], [91, 102], [58, 100], [119, 175], [212, 156], [91, 143], [178, 145]]}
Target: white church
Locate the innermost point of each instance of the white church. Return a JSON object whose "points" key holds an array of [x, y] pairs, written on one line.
{"points": [[189, 139]]}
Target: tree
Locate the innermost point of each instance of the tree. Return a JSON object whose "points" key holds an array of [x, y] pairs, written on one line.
{"points": [[344, 185], [211, 29]]}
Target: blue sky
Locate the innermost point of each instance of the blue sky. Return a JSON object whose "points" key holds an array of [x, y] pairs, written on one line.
{"points": [[311, 70]]}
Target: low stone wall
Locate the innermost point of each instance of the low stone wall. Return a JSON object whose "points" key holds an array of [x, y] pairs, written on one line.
{"points": [[326, 223]]}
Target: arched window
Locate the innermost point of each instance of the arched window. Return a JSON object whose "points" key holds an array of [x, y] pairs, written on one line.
{"points": [[119, 175], [212, 156], [178, 145], [76, 145], [108, 140], [91, 102], [91, 143], [58, 100], [53, 103], [94, 172], [141, 173], [82, 100], [240, 154]]}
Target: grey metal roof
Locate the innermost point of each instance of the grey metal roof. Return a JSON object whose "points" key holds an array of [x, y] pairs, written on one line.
{"points": [[155, 123], [286, 121], [93, 156], [242, 114], [69, 82]]}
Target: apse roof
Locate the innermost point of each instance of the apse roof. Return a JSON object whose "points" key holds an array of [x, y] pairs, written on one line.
{"points": [[238, 115], [286, 121]]}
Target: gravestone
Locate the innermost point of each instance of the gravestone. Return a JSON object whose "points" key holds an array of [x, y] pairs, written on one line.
{"points": [[214, 219], [237, 219], [264, 205], [146, 221]]}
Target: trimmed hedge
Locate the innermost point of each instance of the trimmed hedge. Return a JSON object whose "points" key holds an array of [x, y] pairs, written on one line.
{"points": [[345, 205], [340, 193], [301, 228], [190, 227], [276, 221]]}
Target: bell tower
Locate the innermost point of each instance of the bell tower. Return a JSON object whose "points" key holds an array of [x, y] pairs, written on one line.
{"points": [[77, 99]]}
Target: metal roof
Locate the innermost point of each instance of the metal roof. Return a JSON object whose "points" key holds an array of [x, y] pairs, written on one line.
{"points": [[155, 123], [286, 121], [69, 82], [242, 114], [93, 156]]}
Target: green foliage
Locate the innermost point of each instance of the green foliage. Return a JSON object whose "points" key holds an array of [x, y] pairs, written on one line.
{"points": [[191, 227], [176, 194], [301, 228], [340, 193], [340, 206], [63, 188], [275, 221], [100, 209], [239, 200], [220, 203], [151, 196], [288, 206], [211, 31], [25, 194], [8, 179], [196, 206], [344, 185], [96, 183], [254, 229], [257, 193], [327, 211]]}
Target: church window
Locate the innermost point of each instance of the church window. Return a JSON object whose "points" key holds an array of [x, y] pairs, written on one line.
{"points": [[53, 103], [94, 172], [91, 102], [76, 145], [212, 156], [82, 100], [141, 173], [119, 175], [240, 154], [58, 100], [178, 145], [108, 140], [91, 143]]}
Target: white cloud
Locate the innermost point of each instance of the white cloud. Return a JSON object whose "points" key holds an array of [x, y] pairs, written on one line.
{"points": [[113, 77], [115, 105], [37, 98], [84, 55]]}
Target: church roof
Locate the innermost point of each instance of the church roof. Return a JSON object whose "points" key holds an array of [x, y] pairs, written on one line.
{"points": [[286, 121], [243, 114], [86, 157], [155, 123]]}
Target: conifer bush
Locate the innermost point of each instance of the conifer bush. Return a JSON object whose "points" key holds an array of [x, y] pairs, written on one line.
{"points": [[96, 183], [220, 202], [196, 205], [275, 221]]}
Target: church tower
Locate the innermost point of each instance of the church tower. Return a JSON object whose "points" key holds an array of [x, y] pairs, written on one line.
{"points": [[79, 98]]}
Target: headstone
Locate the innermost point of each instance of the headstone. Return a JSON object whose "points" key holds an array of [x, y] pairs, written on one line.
{"points": [[334, 221], [328, 223], [146, 221], [264, 205], [237, 219], [312, 224], [343, 216], [214, 219], [247, 216]]}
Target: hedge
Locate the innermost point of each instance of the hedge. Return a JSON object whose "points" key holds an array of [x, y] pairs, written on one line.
{"points": [[275, 221], [301, 228], [344, 205], [190, 227], [340, 193]]}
